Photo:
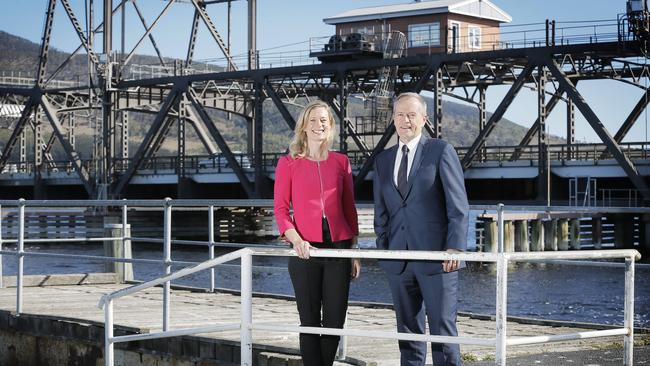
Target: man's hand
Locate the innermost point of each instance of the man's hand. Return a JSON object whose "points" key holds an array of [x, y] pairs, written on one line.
{"points": [[451, 265]]}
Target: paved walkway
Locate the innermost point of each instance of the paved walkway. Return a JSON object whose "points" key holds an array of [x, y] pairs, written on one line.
{"points": [[189, 309]]}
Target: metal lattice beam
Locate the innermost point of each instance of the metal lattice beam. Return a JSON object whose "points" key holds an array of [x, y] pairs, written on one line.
{"points": [[534, 128], [18, 129], [496, 117], [215, 34], [148, 31], [223, 145], [45, 42], [151, 39], [80, 33], [145, 145], [72, 155], [291, 122], [600, 129]]}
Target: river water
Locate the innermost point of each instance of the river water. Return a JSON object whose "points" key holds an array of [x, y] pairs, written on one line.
{"points": [[546, 291]]}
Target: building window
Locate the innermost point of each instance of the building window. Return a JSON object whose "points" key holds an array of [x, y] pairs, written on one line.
{"points": [[366, 30], [423, 35], [474, 37]]}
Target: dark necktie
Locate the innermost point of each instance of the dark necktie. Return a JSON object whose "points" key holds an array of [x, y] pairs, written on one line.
{"points": [[402, 171]]}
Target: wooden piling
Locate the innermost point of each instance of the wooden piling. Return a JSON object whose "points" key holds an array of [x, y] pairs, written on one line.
{"points": [[521, 236], [537, 236], [550, 235], [562, 234], [509, 236], [491, 236], [574, 237]]}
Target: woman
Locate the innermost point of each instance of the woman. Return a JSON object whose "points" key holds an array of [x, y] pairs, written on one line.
{"points": [[318, 184]]}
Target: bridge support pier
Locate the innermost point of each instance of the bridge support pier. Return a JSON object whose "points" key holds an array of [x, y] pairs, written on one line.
{"points": [[623, 231], [40, 189], [186, 188]]}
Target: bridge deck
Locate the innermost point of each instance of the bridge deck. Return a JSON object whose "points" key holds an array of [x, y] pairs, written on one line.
{"points": [[189, 309]]}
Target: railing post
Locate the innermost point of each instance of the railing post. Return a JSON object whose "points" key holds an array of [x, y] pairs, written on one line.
{"points": [[125, 242], [502, 294], [628, 312], [500, 228], [246, 331], [501, 309], [1, 283], [21, 253], [108, 333], [167, 250], [211, 243]]}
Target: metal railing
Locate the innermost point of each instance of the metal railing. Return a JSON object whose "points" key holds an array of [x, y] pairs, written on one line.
{"points": [[584, 152], [246, 325]]}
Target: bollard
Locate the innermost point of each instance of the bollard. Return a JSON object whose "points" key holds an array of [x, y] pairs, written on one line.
{"points": [[562, 234], [118, 248], [574, 232], [537, 239], [521, 236]]}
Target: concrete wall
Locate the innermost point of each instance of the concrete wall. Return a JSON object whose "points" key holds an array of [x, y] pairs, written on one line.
{"points": [[30, 340]]}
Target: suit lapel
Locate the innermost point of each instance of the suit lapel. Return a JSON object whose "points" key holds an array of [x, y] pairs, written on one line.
{"points": [[417, 161], [392, 154]]}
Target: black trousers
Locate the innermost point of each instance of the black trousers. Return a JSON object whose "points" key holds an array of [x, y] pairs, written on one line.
{"points": [[321, 286]]}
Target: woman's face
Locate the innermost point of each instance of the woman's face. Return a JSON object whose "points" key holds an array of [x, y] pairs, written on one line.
{"points": [[318, 125]]}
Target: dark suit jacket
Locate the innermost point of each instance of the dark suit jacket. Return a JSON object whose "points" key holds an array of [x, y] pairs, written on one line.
{"points": [[433, 215]]}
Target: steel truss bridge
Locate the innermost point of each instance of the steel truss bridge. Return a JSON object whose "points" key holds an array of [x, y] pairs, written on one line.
{"points": [[182, 97]]}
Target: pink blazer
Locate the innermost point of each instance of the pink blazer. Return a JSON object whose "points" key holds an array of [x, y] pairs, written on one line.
{"points": [[297, 184]]}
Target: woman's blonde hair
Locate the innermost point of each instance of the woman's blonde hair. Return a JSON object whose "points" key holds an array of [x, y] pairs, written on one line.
{"points": [[298, 146]]}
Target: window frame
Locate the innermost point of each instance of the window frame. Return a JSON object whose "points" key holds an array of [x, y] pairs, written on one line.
{"points": [[474, 37], [428, 42]]}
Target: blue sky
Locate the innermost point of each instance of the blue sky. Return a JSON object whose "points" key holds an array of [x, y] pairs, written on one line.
{"points": [[293, 22]]}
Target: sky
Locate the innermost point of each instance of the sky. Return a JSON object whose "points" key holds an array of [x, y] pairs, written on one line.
{"points": [[285, 27]]}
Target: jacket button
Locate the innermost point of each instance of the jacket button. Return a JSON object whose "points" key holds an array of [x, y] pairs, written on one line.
{"points": [[403, 204], [402, 227]]}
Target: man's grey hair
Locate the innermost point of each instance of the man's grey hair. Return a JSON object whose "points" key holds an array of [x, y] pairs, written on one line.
{"points": [[417, 96]]}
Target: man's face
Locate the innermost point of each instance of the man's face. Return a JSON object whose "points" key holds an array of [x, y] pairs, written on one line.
{"points": [[409, 118]]}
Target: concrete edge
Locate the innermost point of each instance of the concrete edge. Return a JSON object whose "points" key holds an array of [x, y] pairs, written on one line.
{"points": [[62, 279]]}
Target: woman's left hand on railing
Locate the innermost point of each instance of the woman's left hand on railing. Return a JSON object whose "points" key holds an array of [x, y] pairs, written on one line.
{"points": [[355, 270]]}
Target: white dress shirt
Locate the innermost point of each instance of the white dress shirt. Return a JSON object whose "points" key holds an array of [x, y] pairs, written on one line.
{"points": [[412, 146]]}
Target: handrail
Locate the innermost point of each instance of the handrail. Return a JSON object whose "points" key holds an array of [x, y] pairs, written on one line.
{"points": [[182, 203], [500, 341], [320, 253], [246, 325]]}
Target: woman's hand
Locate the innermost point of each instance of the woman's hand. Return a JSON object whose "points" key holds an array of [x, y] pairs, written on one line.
{"points": [[302, 248], [355, 270]]}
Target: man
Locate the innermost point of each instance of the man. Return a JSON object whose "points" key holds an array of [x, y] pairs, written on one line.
{"points": [[421, 204]]}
